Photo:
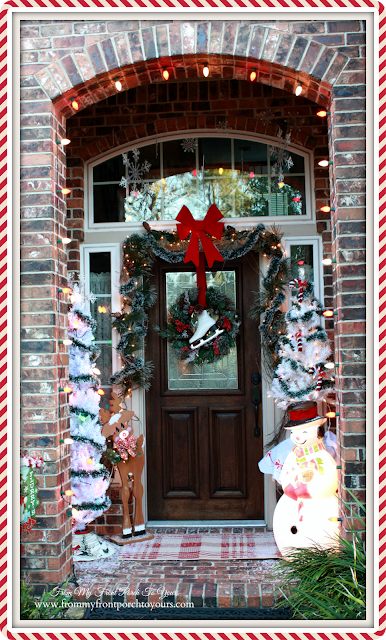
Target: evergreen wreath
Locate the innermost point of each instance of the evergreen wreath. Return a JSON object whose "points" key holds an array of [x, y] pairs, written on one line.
{"points": [[180, 326]]}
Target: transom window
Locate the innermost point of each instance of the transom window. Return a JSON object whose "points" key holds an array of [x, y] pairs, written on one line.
{"points": [[244, 178]]}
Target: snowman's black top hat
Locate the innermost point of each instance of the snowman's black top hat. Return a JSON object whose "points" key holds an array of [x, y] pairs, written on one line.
{"points": [[304, 413]]}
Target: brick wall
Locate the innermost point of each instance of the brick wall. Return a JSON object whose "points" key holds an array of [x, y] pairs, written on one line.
{"points": [[80, 58], [46, 549]]}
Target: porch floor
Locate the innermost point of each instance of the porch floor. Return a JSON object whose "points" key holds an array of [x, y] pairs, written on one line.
{"points": [[205, 583]]}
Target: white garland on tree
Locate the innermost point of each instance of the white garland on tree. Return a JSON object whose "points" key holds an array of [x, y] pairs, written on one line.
{"points": [[89, 478], [301, 374]]}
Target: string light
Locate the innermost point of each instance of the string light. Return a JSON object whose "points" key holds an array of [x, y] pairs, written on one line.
{"points": [[299, 89], [221, 171], [325, 163], [68, 441], [69, 492], [328, 313], [74, 104], [67, 389], [165, 73], [326, 209], [65, 191], [281, 185], [329, 365], [65, 290], [101, 392], [118, 84], [63, 141], [67, 342], [102, 309], [96, 371], [76, 324], [253, 75], [251, 174], [64, 240], [205, 70], [322, 113], [330, 414], [89, 461]]}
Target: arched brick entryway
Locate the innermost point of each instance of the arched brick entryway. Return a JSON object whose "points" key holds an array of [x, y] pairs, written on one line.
{"points": [[85, 65]]}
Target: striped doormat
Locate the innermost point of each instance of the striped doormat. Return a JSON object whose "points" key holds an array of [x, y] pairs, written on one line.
{"points": [[203, 546]]}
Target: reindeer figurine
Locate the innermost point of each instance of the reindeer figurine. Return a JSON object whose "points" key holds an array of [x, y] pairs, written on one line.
{"points": [[125, 449]]}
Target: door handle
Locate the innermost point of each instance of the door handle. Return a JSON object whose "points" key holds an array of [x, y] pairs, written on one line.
{"points": [[256, 400]]}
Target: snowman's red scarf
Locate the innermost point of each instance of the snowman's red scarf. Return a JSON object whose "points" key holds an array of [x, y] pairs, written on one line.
{"points": [[304, 460]]}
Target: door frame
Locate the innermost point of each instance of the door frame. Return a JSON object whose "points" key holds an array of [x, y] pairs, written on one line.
{"points": [[271, 415]]}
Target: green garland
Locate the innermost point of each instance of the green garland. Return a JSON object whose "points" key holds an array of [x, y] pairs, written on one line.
{"points": [[140, 252], [179, 328]]}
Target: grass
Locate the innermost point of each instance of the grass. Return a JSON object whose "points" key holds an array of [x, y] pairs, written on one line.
{"points": [[326, 583], [52, 605]]}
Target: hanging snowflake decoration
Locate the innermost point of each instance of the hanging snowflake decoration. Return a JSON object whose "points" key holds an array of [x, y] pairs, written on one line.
{"points": [[189, 144], [135, 173], [281, 156], [224, 126], [266, 116]]}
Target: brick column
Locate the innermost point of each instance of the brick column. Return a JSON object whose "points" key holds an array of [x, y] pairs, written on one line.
{"points": [[347, 139], [46, 550]]}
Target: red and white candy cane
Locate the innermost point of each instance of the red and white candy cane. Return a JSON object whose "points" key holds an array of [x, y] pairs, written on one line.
{"points": [[321, 374], [301, 284], [299, 341]]}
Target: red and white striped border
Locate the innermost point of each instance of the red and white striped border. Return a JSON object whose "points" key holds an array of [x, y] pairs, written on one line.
{"points": [[178, 5]]}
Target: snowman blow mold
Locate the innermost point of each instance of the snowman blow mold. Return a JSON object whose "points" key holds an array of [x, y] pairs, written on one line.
{"points": [[306, 514]]}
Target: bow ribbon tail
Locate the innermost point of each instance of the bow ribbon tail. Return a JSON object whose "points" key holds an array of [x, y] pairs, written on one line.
{"points": [[201, 280]]}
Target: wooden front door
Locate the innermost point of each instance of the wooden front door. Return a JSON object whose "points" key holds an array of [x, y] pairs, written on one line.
{"points": [[201, 444]]}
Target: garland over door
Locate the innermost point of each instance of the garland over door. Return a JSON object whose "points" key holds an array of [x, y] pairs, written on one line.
{"points": [[202, 449]]}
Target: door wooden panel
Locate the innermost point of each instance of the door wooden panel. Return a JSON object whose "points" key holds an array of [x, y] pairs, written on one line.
{"points": [[179, 439], [227, 447], [201, 450]]}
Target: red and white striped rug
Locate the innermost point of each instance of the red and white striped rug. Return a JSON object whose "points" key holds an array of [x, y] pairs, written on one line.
{"points": [[203, 546]]}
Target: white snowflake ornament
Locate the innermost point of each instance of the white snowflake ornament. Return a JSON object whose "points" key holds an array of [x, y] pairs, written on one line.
{"points": [[135, 172], [189, 145]]}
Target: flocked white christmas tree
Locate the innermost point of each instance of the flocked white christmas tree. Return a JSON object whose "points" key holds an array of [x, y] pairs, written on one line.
{"points": [[304, 350], [89, 478]]}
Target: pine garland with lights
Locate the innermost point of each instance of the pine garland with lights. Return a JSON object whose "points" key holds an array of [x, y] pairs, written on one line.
{"points": [[132, 322], [303, 350], [140, 252], [89, 479]]}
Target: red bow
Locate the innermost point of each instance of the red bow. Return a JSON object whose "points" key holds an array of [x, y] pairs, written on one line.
{"points": [[200, 230]]}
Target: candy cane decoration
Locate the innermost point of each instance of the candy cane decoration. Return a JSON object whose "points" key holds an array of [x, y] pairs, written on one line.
{"points": [[321, 374], [299, 341], [301, 284]]}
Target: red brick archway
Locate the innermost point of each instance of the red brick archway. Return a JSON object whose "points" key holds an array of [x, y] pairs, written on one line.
{"points": [[190, 67]]}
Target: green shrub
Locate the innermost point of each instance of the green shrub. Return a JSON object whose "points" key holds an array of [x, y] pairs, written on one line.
{"points": [[51, 605], [326, 583]]}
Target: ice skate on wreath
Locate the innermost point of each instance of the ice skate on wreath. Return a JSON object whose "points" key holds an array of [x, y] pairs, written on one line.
{"points": [[217, 327], [307, 513]]}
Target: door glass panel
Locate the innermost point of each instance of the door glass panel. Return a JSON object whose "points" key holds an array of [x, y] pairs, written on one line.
{"points": [[216, 375]]}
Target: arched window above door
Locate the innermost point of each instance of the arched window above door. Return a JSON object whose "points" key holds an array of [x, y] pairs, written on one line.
{"points": [[245, 177]]}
